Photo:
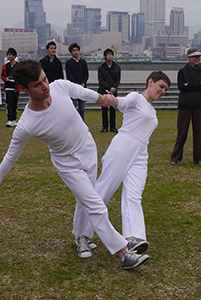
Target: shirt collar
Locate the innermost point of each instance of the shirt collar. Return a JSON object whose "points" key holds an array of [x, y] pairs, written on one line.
{"points": [[75, 59]]}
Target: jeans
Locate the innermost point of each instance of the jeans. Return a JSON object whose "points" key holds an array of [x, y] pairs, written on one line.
{"points": [[81, 106]]}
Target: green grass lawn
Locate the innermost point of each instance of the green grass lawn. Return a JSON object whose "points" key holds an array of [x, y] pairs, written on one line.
{"points": [[38, 257]]}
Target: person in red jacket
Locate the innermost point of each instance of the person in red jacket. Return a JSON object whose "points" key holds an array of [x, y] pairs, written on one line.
{"points": [[10, 87]]}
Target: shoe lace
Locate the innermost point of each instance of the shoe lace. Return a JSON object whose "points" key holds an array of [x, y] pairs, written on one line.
{"points": [[87, 239], [132, 254], [134, 239], [82, 244]]}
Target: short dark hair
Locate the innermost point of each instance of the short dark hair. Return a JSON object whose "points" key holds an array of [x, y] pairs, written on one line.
{"points": [[108, 50], [51, 44], [26, 71], [12, 51], [73, 45], [158, 75]]}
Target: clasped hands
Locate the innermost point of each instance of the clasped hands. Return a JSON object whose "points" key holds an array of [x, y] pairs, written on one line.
{"points": [[109, 100]]}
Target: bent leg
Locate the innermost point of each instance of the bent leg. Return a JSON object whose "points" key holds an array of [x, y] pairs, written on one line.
{"points": [[110, 179], [115, 163], [94, 208]]}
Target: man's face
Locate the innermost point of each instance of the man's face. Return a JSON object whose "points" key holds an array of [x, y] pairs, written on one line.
{"points": [[51, 51], [75, 52], [109, 56], [38, 90], [10, 57], [194, 60]]}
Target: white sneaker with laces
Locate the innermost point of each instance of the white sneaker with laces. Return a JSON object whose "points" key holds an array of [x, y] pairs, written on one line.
{"points": [[83, 248]]}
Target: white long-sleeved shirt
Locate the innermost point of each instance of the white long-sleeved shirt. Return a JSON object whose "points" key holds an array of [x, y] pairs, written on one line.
{"points": [[139, 116], [59, 126]]}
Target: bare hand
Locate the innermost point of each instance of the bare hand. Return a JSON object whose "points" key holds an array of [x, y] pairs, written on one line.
{"points": [[109, 100], [113, 90]]}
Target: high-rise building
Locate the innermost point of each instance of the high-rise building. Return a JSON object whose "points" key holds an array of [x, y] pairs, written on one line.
{"points": [[177, 20], [92, 20], [154, 11], [119, 21], [137, 27], [25, 41], [77, 18], [35, 17]]}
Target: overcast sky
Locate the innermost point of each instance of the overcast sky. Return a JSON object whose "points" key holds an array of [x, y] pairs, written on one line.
{"points": [[58, 12]]}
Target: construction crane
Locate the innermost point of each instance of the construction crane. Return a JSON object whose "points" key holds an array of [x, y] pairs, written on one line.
{"points": [[165, 47]]}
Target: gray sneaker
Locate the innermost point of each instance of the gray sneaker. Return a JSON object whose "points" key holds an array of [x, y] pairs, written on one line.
{"points": [[138, 245], [82, 247], [90, 243], [133, 260]]}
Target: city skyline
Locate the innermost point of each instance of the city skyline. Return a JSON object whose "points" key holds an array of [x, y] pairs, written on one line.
{"points": [[59, 12]]}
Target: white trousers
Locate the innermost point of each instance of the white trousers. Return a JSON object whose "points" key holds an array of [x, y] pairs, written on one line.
{"points": [[125, 161], [78, 171]]}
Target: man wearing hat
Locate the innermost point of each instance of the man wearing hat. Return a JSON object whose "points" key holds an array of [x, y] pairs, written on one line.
{"points": [[189, 106]]}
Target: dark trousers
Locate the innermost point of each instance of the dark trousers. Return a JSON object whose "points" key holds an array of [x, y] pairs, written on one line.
{"points": [[11, 104], [81, 106], [183, 121], [105, 117]]}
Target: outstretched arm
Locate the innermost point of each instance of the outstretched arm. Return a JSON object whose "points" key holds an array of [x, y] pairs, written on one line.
{"points": [[19, 140]]}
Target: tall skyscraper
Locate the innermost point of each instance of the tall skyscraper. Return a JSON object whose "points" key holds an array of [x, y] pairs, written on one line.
{"points": [[35, 17], [119, 21], [92, 20], [77, 18], [154, 11], [137, 27], [177, 20]]}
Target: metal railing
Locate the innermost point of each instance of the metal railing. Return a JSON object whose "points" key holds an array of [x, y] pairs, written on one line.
{"points": [[168, 101]]}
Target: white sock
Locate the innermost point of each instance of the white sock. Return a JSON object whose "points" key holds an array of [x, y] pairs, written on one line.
{"points": [[122, 259]]}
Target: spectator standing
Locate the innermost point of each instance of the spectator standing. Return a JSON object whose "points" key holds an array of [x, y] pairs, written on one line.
{"points": [[77, 72], [51, 65], [189, 107], [109, 75], [10, 87]]}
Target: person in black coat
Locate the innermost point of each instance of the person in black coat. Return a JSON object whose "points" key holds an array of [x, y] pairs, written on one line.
{"points": [[77, 72], [51, 65], [189, 107], [109, 75]]}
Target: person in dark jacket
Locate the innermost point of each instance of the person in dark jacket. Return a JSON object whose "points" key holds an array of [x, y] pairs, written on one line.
{"points": [[189, 107], [51, 65], [109, 75], [77, 72], [10, 87]]}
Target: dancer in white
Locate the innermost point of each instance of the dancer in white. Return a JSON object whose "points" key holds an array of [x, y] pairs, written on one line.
{"points": [[126, 158], [51, 117]]}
